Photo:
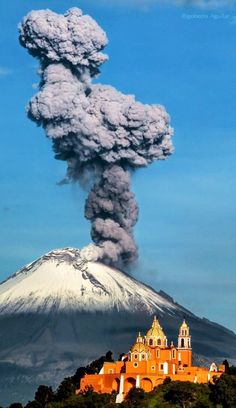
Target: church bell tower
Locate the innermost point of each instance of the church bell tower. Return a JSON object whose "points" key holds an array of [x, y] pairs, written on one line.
{"points": [[184, 339], [184, 346]]}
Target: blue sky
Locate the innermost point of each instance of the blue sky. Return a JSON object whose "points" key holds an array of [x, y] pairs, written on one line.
{"points": [[183, 58]]}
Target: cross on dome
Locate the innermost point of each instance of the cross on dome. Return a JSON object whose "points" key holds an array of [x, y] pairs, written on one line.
{"points": [[184, 325], [156, 330]]}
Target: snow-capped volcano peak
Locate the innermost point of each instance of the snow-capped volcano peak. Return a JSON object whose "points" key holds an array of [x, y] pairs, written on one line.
{"points": [[63, 280], [46, 332]]}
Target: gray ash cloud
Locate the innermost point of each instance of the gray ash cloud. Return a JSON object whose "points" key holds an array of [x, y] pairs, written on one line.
{"points": [[102, 134]]}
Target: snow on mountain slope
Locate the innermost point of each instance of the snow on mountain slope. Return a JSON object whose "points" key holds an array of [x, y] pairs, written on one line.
{"points": [[63, 280], [47, 329]]}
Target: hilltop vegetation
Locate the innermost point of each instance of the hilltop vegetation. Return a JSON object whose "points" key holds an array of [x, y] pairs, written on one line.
{"points": [[172, 394]]}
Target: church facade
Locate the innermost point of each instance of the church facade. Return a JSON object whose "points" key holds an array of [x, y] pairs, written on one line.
{"points": [[149, 361]]}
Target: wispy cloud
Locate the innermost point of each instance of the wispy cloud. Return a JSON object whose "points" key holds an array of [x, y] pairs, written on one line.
{"points": [[5, 71]]}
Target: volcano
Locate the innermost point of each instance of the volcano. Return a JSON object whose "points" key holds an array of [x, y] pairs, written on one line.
{"points": [[61, 311]]}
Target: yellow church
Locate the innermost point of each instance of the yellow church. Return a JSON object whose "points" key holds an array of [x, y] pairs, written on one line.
{"points": [[149, 361]]}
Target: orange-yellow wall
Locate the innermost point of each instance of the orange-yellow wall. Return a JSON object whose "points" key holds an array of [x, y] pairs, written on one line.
{"points": [[148, 378], [149, 372], [106, 383]]}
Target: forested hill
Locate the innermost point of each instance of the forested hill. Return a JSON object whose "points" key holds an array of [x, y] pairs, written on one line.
{"points": [[172, 394]]}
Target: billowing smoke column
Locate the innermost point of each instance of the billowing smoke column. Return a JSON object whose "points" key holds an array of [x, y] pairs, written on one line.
{"points": [[101, 133]]}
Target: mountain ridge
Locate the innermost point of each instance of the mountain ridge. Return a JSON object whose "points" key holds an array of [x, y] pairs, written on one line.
{"points": [[46, 338], [62, 275]]}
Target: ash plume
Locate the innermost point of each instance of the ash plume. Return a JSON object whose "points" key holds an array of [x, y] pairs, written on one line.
{"points": [[102, 134]]}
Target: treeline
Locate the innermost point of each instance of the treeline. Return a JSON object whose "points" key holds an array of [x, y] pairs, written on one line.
{"points": [[171, 394]]}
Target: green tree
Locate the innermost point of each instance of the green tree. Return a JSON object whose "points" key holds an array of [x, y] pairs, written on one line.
{"points": [[65, 389], [180, 393], [91, 399], [96, 365], [226, 364], [44, 394], [167, 380], [16, 405], [80, 373], [33, 404], [231, 370], [135, 397], [223, 391]]}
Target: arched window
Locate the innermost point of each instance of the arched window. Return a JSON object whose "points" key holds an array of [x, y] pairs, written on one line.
{"points": [[150, 342], [159, 342], [182, 342]]}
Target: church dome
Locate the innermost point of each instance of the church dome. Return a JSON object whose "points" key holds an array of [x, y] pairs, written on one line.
{"points": [[156, 330], [139, 348], [184, 325]]}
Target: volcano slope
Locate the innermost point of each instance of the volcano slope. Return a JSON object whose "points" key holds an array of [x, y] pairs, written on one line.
{"points": [[60, 312]]}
